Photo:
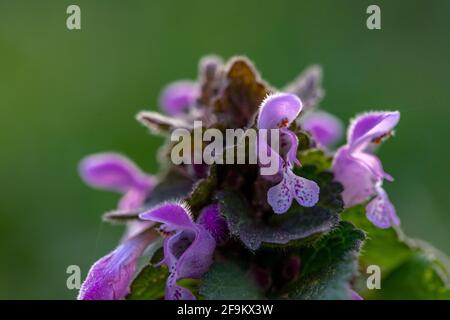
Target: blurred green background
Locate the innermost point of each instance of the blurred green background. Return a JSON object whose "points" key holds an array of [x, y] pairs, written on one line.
{"points": [[65, 94]]}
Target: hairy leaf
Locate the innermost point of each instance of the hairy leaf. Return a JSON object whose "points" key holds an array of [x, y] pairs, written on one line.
{"points": [[226, 281], [241, 95], [383, 247], [203, 190], [416, 278], [298, 223], [317, 158], [329, 265], [410, 268]]}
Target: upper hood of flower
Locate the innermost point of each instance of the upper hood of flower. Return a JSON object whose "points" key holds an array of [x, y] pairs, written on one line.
{"points": [[369, 127], [278, 110], [112, 171]]}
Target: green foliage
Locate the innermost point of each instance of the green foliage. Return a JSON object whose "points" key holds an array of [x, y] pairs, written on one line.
{"points": [[329, 265], [383, 247], [203, 190], [227, 281], [149, 284], [317, 158], [298, 223], [410, 268], [415, 278]]}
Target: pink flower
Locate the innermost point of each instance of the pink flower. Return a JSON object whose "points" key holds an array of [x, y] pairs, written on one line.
{"points": [[278, 111], [361, 172]]}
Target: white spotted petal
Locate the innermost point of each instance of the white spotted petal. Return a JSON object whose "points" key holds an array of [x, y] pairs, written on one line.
{"points": [[305, 191]]}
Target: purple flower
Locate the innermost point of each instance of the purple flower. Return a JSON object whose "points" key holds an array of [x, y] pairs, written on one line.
{"points": [[178, 96], [278, 111], [354, 295], [214, 222], [361, 173], [188, 248], [110, 277], [324, 128], [114, 172]]}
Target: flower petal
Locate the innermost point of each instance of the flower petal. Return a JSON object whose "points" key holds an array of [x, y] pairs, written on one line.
{"points": [[110, 277], [355, 295], [278, 110], [176, 216], [178, 96], [292, 145], [305, 191], [213, 221], [175, 291], [325, 128], [111, 171], [369, 126], [187, 253], [381, 212], [133, 199], [373, 164], [280, 197], [197, 258], [356, 177]]}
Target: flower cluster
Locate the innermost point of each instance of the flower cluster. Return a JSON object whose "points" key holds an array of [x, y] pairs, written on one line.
{"points": [[209, 215]]}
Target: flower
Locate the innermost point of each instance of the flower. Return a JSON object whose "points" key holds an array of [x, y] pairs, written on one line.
{"points": [[278, 111], [178, 96], [214, 222], [114, 172], [188, 248], [354, 295], [324, 128], [110, 277], [111, 171], [361, 173]]}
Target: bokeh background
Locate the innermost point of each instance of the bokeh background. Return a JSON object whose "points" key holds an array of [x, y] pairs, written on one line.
{"points": [[65, 94]]}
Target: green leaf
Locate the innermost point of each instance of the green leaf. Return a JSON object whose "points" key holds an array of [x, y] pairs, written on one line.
{"points": [[149, 284], [317, 158], [297, 226], [410, 268], [383, 247], [226, 281], [203, 190], [416, 278], [329, 265]]}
